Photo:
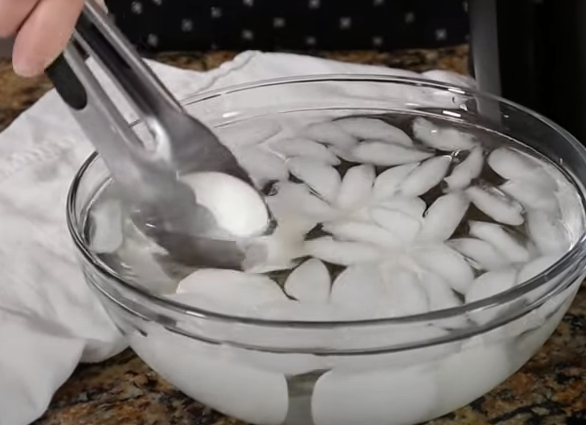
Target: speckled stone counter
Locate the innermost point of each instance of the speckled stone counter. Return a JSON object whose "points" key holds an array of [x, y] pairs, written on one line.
{"points": [[549, 390]]}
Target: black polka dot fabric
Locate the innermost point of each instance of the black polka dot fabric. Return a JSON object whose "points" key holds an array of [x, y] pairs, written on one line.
{"points": [[183, 25]]}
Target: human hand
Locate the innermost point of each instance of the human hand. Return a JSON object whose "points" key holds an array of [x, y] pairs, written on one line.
{"points": [[41, 28]]}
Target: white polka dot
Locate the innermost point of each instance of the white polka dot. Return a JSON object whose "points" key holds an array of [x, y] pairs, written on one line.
{"points": [[314, 4], [378, 2], [216, 12], [345, 23], [310, 40], [247, 35], [186, 25], [409, 17], [377, 41], [279, 22], [248, 3], [136, 7], [153, 40], [441, 34]]}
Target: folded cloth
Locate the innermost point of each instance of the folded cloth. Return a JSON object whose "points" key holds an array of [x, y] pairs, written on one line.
{"points": [[49, 319]]}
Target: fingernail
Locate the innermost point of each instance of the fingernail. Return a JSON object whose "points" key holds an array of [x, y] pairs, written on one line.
{"points": [[28, 68]]}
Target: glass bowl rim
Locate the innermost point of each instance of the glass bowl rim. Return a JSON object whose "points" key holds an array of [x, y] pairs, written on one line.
{"points": [[496, 300]]}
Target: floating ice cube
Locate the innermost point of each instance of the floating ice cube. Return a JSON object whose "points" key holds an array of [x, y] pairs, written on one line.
{"points": [[345, 154], [385, 396], [503, 241], [481, 252], [403, 225], [277, 251], [374, 129], [496, 205], [443, 217], [442, 138], [310, 282], [359, 291], [406, 295], [547, 232], [229, 290], [389, 181], [356, 231], [425, 176], [467, 170], [439, 293], [530, 195], [341, 252], [330, 134], [294, 199], [262, 166], [248, 133], [415, 207], [323, 179], [514, 165], [386, 154], [356, 186], [106, 225], [447, 263], [491, 283], [537, 266], [304, 148]]}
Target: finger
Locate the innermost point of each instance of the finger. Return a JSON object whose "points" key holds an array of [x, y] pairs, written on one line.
{"points": [[44, 34], [12, 15]]}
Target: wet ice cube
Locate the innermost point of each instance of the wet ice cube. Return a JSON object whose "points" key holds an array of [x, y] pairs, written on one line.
{"points": [[547, 232], [496, 205], [345, 154], [309, 283], [537, 266], [248, 133], [467, 170], [503, 241], [514, 165], [480, 252], [356, 231], [262, 166], [491, 283], [447, 263], [106, 226], [415, 207], [442, 138], [386, 154], [531, 195], [374, 129], [294, 199], [330, 134], [342, 252], [443, 217], [426, 176], [358, 291], [304, 148], [440, 294], [406, 295], [356, 186], [323, 179], [397, 222], [389, 181]]}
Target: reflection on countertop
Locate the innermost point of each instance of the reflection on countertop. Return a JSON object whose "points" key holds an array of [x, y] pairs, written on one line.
{"points": [[549, 390]]}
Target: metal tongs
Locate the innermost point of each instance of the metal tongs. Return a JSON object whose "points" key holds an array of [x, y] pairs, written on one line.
{"points": [[147, 177]]}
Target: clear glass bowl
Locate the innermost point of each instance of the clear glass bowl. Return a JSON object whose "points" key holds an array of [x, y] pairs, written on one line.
{"points": [[378, 372]]}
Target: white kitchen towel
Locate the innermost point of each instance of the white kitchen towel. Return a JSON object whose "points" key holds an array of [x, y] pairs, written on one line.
{"points": [[49, 320]]}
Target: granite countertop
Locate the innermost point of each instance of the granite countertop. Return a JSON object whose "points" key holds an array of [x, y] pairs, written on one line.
{"points": [[549, 390]]}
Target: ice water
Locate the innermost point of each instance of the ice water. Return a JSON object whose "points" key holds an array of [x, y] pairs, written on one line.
{"points": [[377, 215]]}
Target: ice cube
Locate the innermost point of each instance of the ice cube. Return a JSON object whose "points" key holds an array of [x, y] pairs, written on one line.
{"points": [[277, 251], [481, 252], [496, 205], [406, 295], [356, 186], [415, 207], [467, 170], [531, 196], [498, 237], [356, 231], [304, 148], [443, 217], [262, 166], [388, 182], [323, 179], [439, 293], [294, 199], [247, 133], [491, 283], [547, 232], [342, 253], [442, 138], [106, 226], [514, 165], [426, 176], [358, 291], [309, 283], [329, 134], [345, 154], [537, 266], [400, 224], [374, 129], [447, 263], [386, 154]]}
